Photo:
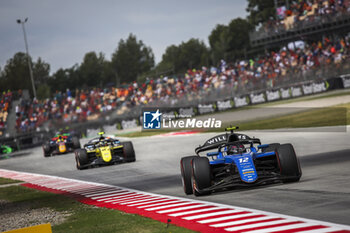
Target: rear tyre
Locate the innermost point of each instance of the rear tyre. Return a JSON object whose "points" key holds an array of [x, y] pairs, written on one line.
{"points": [[186, 173], [46, 149], [271, 147], [288, 163], [76, 142], [81, 159], [129, 153], [201, 175]]}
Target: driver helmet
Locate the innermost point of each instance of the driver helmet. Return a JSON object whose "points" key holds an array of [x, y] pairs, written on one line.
{"points": [[236, 148]]}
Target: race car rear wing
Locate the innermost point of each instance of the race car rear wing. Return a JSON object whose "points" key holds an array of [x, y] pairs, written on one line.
{"points": [[222, 139]]}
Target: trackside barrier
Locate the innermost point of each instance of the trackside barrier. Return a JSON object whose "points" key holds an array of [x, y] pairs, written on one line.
{"points": [[287, 92], [43, 228], [134, 119], [25, 140]]}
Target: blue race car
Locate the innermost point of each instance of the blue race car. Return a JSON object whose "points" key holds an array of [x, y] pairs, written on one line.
{"points": [[238, 160]]}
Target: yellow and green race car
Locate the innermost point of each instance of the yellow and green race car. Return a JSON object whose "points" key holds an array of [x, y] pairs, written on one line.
{"points": [[104, 150]]}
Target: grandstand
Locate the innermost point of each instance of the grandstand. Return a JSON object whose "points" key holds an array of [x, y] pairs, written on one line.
{"points": [[304, 20], [320, 58], [275, 70], [5, 105]]}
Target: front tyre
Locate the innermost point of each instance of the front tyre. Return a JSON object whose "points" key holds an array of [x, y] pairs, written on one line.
{"points": [[76, 142], [186, 173], [201, 175], [128, 151], [271, 147], [46, 149], [288, 163], [81, 159]]}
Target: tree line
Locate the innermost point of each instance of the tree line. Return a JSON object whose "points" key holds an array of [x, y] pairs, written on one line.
{"points": [[134, 61]]}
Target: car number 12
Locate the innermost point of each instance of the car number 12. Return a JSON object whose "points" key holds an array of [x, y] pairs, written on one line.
{"points": [[243, 160]]}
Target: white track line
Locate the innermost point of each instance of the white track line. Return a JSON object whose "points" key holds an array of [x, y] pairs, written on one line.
{"points": [[126, 198], [111, 194], [195, 211], [150, 200], [323, 230], [282, 228], [245, 221], [168, 206], [100, 194], [211, 214], [139, 202], [267, 225], [210, 220], [115, 196], [181, 208], [161, 202]]}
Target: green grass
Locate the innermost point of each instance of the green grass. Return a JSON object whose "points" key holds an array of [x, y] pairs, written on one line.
{"points": [[85, 218], [8, 181], [332, 116]]}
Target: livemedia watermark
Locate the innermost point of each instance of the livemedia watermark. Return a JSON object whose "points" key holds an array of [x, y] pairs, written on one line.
{"points": [[169, 118]]}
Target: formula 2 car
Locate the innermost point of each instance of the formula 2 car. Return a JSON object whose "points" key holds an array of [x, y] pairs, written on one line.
{"points": [[238, 161], [104, 151], [5, 149], [60, 144]]}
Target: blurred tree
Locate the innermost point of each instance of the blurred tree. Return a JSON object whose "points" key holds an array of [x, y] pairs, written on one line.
{"points": [[91, 69], [219, 43], [188, 55], [60, 79], [16, 76], [41, 71], [230, 42], [132, 58], [16, 73], [64, 79], [108, 75], [238, 38], [43, 91], [260, 11]]}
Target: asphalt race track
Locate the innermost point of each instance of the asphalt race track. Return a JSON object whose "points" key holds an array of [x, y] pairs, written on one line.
{"points": [[322, 194]]}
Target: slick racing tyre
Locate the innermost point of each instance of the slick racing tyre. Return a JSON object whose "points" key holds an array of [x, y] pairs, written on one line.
{"points": [[201, 175], [271, 147], [186, 173], [129, 153], [288, 163], [81, 159], [76, 142], [46, 149]]}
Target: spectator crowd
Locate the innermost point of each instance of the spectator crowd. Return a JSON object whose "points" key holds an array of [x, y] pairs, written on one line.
{"points": [[303, 12], [5, 104], [268, 71]]}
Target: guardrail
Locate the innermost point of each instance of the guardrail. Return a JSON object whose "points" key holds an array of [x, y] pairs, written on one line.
{"points": [[134, 117]]}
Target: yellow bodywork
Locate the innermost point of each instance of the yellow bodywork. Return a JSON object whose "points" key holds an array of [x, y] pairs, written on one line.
{"points": [[62, 147], [106, 153]]}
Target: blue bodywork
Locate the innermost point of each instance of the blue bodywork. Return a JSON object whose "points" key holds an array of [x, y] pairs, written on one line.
{"points": [[243, 161]]}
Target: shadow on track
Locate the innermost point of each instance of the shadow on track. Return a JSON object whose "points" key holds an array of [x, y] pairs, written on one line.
{"points": [[325, 158]]}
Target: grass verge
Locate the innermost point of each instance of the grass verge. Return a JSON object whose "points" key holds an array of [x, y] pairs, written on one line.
{"points": [[85, 218], [332, 116], [8, 181]]}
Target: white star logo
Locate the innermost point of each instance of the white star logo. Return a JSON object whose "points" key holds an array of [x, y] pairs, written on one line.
{"points": [[156, 115]]}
